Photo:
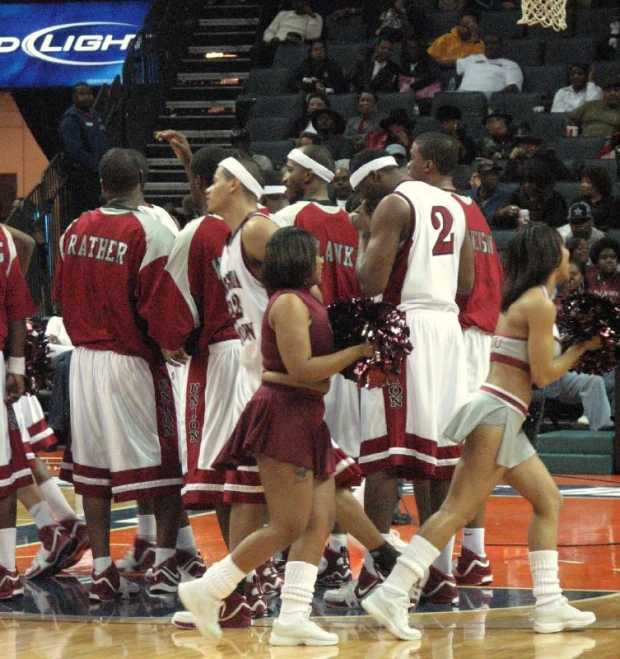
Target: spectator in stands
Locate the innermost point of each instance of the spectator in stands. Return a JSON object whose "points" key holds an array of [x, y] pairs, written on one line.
{"points": [[418, 73], [359, 127], [600, 117], [461, 41], [240, 140], [61, 349], [396, 128], [580, 90], [580, 224], [312, 103], [606, 281], [498, 142], [485, 188], [377, 71], [536, 194], [318, 73], [579, 250], [394, 22], [85, 139], [597, 189], [342, 188], [274, 192], [489, 72], [330, 125], [306, 137], [531, 147], [189, 208], [450, 118]]}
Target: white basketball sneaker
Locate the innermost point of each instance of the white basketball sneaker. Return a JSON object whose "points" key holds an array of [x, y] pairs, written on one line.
{"points": [[204, 608], [561, 617], [300, 631], [391, 611]]}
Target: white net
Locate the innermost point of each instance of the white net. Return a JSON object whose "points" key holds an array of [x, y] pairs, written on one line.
{"points": [[548, 13]]}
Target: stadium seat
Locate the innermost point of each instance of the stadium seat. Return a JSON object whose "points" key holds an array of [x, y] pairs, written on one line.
{"points": [[568, 190], [594, 22], [440, 22], [614, 233], [502, 238], [550, 125], [502, 23], [285, 105], [545, 79], [563, 51], [276, 151], [290, 55], [264, 129], [267, 82], [347, 54], [470, 103], [579, 148], [474, 125], [426, 125], [525, 52], [393, 100], [519, 106], [608, 164], [347, 29], [604, 69], [345, 104]]}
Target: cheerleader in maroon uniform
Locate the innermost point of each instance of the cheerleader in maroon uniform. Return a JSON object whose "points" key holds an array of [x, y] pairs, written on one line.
{"points": [[282, 427]]}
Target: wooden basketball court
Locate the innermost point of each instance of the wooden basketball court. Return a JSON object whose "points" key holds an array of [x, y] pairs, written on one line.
{"points": [[54, 619]]}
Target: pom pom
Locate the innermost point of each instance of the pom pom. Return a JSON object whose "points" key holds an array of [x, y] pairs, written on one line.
{"points": [[362, 319], [38, 362], [585, 315]]}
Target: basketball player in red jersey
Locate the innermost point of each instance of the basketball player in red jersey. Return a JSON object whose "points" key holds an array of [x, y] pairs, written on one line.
{"points": [[415, 250], [432, 162]]}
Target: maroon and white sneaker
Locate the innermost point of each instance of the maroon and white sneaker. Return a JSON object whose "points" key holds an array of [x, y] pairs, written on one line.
{"points": [[77, 529], [351, 594], [270, 580], [191, 566], [472, 569], [279, 561], [109, 585], [10, 584], [56, 545], [139, 558], [255, 597], [335, 567], [164, 579], [234, 614], [440, 588]]}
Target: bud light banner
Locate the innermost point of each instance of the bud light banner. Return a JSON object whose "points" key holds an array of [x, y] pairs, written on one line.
{"points": [[51, 45]]}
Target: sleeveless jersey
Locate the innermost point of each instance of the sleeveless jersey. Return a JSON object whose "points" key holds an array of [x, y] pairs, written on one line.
{"points": [[425, 271], [482, 306], [190, 295], [338, 243], [110, 262]]}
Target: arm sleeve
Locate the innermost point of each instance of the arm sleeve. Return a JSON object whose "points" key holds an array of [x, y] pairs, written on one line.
{"points": [[71, 136], [18, 302], [514, 75], [559, 104], [315, 27], [593, 92], [437, 49], [272, 28]]}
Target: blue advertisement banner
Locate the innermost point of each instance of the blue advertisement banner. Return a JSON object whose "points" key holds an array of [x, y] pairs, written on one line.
{"points": [[51, 45]]}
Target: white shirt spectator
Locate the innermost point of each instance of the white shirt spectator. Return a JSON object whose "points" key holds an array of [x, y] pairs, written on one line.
{"points": [[310, 27], [481, 74], [567, 99], [56, 328], [566, 232]]}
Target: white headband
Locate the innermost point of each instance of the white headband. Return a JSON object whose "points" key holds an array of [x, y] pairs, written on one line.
{"points": [[298, 156], [274, 189], [379, 163], [240, 172]]}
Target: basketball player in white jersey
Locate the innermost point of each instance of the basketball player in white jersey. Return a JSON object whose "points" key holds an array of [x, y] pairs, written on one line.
{"points": [[415, 251]]}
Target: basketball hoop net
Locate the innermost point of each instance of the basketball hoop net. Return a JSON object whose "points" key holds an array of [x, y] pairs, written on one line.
{"points": [[548, 13]]}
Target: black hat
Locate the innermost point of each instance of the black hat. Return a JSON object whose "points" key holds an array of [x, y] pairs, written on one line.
{"points": [[525, 135], [486, 165], [498, 113], [448, 113], [579, 212], [340, 123], [397, 116]]}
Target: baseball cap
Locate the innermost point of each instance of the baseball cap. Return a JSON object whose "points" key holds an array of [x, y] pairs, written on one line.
{"points": [[487, 165], [579, 213]]}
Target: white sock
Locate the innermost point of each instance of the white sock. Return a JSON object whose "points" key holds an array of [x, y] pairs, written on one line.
{"points": [[544, 569], [337, 541], [411, 565], [56, 499], [473, 539], [222, 578], [42, 515], [185, 540], [7, 548], [297, 591], [147, 528], [163, 554], [102, 564], [443, 562]]}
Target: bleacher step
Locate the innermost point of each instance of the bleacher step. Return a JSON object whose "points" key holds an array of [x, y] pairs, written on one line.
{"points": [[565, 463], [576, 442]]}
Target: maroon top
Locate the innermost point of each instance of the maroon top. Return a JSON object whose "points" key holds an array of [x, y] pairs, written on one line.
{"points": [[321, 337]]}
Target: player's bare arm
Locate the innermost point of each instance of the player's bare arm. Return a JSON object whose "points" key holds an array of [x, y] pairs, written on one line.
{"points": [[17, 347], [24, 244], [379, 245], [466, 276]]}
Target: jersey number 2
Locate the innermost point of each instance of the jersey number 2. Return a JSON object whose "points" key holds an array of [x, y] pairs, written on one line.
{"points": [[442, 220]]}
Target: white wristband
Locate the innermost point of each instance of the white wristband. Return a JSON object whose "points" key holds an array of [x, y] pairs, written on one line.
{"points": [[17, 365]]}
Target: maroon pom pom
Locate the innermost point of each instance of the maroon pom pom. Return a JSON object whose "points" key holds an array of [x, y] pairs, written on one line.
{"points": [[585, 315], [362, 319]]}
